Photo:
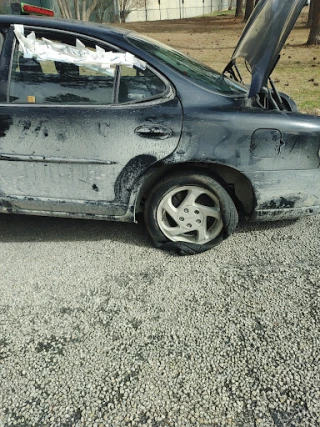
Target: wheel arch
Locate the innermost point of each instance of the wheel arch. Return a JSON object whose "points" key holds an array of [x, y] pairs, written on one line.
{"points": [[234, 182]]}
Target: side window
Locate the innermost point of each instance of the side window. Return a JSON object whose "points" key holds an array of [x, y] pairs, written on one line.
{"points": [[54, 68], [52, 82], [139, 85], [51, 71]]}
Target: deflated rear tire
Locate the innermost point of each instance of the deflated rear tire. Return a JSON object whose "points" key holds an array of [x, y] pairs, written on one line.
{"points": [[189, 213]]}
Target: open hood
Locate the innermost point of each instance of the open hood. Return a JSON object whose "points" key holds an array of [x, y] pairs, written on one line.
{"points": [[263, 38]]}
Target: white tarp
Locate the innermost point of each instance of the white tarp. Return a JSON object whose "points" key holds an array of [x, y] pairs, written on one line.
{"points": [[98, 60]]}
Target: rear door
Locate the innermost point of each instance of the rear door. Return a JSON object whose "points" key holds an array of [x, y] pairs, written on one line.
{"points": [[75, 138]]}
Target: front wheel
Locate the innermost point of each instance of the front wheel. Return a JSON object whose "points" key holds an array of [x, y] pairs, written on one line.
{"points": [[189, 214]]}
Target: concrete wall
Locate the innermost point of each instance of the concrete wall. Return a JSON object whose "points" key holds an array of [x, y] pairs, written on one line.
{"points": [[176, 9]]}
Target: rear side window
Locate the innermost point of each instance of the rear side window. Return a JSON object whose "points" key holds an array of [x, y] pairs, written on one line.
{"points": [[196, 72], [137, 85]]}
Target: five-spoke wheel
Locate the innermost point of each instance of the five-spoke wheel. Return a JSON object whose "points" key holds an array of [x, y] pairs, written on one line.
{"points": [[189, 213]]}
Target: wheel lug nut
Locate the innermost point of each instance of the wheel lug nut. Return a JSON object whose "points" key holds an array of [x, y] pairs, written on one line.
{"points": [[189, 225], [181, 219], [198, 221], [186, 210], [196, 212]]}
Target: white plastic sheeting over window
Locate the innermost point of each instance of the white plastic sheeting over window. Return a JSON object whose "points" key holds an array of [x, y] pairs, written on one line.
{"points": [[99, 60]]}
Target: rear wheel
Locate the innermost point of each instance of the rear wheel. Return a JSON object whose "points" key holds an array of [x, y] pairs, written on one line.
{"points": [[189, 213]]}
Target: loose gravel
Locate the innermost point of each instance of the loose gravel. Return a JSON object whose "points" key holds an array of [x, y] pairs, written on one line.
{"points": [[98, 328]]}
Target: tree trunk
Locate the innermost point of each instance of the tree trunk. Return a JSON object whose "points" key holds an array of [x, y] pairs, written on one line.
{"points": [[310, 14], [68, 8], [84, 13], [249, 9], [230, 5], [124, 15], [314, 35], [91, 8], [76, 9], [239, 9], [84, 10], [64, 9]]}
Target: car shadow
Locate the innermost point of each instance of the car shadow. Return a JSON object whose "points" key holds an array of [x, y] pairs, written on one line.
{"points": [[21, 228], [24, 228]]}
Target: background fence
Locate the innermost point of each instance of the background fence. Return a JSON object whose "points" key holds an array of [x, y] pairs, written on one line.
{"points": [[158, 12]]}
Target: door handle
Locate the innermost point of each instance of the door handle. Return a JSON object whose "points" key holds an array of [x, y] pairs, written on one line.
{"points": [[153, 131]]}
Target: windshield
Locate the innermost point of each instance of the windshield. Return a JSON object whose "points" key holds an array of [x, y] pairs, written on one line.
{"points": [[194, 70]]}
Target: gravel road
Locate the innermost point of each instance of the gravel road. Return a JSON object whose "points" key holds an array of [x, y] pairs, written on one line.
{"points": [[98, 328]]}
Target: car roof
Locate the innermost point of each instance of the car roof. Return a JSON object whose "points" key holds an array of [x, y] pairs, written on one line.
{"points": [[83, 27]]}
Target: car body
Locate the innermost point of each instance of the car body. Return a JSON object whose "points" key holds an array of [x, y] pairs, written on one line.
{"points": [[99, 122]]}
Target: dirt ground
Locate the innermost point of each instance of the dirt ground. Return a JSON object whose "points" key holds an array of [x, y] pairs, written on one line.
{"points": [[213, 39]]}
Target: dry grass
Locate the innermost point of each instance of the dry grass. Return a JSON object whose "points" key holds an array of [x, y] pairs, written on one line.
{"points": [[212, 40]]}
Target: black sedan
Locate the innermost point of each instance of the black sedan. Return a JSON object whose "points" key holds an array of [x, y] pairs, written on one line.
{"points": [[102, 123]]}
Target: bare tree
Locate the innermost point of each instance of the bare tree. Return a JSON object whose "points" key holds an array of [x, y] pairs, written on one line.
{"points": [[249, 9], [230, 4], [314, 35], [81, 9], [3, 7], [127, 6], [239, 8], [102, 8]]}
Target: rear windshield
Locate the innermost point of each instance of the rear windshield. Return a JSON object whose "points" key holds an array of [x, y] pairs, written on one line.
{"points": [[189, 67]]}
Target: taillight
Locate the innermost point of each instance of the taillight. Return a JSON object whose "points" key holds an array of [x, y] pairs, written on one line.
{"points": [[29, 8]]}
